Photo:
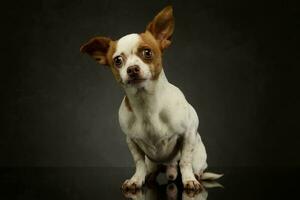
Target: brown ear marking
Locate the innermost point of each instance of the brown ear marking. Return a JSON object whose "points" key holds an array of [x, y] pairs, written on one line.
{"points": [[162, 27], [97, 47]]}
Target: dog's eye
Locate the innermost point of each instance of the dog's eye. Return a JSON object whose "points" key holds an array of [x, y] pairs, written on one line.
{"points": [[147, 53], [118, 61]]}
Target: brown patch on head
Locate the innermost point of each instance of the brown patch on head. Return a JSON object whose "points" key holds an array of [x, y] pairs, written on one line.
{"points": [[149, 42], [127, 104], [157, 37]]}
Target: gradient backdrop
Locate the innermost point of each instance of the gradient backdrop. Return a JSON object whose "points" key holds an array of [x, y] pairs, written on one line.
{"points": [[234, 60]]}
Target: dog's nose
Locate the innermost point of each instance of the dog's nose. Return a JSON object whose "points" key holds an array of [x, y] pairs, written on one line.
{"points": [[133, 70]]}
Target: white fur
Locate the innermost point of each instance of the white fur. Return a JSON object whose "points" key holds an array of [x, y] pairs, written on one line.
{"points": [[128, 45], [160, 118]]}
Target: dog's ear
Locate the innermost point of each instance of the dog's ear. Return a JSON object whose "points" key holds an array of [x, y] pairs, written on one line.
{"points": [[162, 27], [97, 48]]}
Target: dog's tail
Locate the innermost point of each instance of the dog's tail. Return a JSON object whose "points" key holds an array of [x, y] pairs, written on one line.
{"points": [[210, 176]]}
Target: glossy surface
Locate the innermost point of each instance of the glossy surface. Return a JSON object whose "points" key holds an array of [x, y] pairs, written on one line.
{"points": [[104, 183]]}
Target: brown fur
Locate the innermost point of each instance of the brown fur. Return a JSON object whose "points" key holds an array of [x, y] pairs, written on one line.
{"points": [[162, 27], [97, 47], [102, 49], [148, 41], [109, 57]]}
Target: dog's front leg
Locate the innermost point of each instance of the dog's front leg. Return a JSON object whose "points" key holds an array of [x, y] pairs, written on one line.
{"points": [[188, 178], [138, 179]]}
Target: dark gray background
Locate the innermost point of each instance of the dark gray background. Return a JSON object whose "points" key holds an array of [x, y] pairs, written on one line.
{"points": [[234, 60]]}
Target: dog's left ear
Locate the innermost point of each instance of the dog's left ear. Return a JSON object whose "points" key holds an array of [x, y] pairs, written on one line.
{"points": [[162, 27], [97, 48]]}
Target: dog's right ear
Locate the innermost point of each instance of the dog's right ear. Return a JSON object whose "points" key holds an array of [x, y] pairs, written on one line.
{"points": [[97, 48]]}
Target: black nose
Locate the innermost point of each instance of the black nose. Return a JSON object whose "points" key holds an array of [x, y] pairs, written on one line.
{"points": [[133, 71]]}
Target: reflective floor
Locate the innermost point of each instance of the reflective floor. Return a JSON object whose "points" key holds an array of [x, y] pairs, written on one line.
{"points": [[104, 183]]}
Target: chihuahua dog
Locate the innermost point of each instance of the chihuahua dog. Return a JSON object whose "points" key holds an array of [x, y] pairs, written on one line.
{"points": [[159, 124]]}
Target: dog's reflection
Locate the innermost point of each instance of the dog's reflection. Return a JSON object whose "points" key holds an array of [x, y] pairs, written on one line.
{"points": [[169, 191]]}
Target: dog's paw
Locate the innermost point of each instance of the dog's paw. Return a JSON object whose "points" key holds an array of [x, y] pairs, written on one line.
{"points": [[132, 184], [193, 185]]}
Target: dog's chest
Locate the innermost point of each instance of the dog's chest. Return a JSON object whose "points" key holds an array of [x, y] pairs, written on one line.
{"points": [[149, 127], [156, 134]]}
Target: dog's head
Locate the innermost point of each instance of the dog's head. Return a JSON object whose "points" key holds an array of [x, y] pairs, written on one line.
{"points": [[135, 59]]}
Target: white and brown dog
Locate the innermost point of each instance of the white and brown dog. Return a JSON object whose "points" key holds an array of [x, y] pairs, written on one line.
{"points": [[159, 124]]}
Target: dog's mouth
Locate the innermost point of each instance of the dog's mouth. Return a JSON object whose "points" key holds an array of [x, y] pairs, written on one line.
{"points": [[135, 80]]}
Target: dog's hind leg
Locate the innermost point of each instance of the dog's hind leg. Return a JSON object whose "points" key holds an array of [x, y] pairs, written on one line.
{"points": [[199, 158], [189, 180], [199, 163]]}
